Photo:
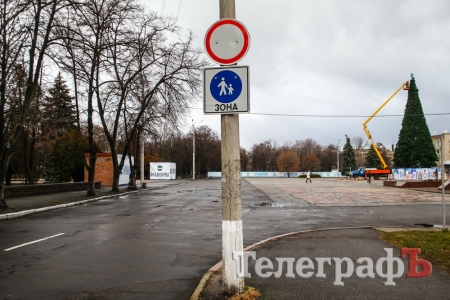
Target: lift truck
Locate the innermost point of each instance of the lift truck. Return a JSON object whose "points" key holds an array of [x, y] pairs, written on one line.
{"points": [[384, 171]]}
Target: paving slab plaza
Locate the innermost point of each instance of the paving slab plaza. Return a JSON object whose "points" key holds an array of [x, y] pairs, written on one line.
{"points": [[340, 192]]}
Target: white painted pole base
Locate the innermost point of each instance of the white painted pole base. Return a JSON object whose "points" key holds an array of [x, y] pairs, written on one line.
{"points": [[232, 242]]}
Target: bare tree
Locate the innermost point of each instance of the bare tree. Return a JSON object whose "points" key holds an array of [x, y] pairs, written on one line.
{"points": [[306, 147], [85, 35], [264, 156], [311, 162], [144, 58], [25, 33], [359, 144], [329, 157]]}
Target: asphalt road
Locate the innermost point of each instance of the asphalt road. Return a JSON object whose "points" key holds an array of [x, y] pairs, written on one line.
{"points": [[155, 244]]}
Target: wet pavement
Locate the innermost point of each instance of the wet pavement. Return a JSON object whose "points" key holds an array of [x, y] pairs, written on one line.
{"points": [[158, 243], [278, 281]]}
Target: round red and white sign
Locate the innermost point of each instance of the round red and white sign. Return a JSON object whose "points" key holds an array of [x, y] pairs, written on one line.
{"points": [[227, 41]]}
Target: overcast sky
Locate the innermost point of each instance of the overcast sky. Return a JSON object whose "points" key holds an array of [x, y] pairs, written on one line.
{"points": [[327, 58]]}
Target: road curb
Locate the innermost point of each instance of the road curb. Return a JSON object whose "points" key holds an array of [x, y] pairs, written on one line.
{"points": [[37, 210], [201, 286]]}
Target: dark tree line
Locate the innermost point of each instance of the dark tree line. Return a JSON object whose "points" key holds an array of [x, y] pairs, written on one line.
{"points": [[178, 148], [312, 155]]}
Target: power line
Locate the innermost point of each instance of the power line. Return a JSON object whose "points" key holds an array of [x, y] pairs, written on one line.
{"points": [[342, 116], [331, 116], [178, 10]]}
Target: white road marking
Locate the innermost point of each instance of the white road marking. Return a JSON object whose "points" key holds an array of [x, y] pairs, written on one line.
{"points": [[15, 247]]}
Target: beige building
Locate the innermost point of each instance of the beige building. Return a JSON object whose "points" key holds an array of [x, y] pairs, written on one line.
{"points": [[445, 148]]}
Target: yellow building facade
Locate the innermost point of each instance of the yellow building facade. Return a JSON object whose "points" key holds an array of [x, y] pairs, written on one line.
{"points": [[442, 148]]}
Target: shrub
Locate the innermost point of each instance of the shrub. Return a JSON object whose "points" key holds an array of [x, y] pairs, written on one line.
{"points": [[312, 176]]}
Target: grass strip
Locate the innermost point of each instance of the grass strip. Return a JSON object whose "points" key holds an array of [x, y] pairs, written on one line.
{"points": [[434, 245]]}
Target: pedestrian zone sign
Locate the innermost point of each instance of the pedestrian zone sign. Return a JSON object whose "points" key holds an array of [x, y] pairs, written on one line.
{"points": [[226, 90]]}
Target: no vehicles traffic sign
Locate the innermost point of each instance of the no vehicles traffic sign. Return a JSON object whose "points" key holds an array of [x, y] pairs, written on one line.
{"points": [[227, 41], [226, 90]]}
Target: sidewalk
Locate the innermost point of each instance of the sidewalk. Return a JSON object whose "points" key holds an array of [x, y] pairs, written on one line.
{"points": [[60, 200], [352, 243], [328, 192]]}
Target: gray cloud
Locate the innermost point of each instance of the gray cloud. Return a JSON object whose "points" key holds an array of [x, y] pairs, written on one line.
{"points": [[332, 58]]}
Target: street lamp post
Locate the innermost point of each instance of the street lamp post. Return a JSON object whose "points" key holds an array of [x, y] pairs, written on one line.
{"points": [[142, 163], [337, 155], [193, 149], [443, 181]]}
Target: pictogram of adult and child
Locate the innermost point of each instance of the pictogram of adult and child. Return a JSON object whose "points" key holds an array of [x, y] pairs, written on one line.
{"points": [[224, 87]]}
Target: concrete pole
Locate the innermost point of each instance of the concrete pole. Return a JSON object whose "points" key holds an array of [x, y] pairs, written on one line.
{"points": [[193, 151], [142, 163], [443, 180], [232, 241]]}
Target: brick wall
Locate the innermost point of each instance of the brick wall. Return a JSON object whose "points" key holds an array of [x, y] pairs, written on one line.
{"points": [[103, 168]]}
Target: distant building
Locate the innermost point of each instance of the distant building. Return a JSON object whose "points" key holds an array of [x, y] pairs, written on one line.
{"points": [[445, 149]]}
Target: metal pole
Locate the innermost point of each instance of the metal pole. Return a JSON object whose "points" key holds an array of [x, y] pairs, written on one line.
{"points": [[443, 181], [337, 155], [142, 163], [232, 241], [193, 151]]}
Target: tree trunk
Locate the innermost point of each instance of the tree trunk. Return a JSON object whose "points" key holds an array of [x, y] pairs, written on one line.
{"points": [[132, 181], [115, 184], [9, 174], [116, 171], [3, 204], [28, 159], [91, 173]]}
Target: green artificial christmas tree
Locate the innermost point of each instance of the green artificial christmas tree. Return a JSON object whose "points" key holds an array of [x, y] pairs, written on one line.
{"points": [[348, 157], [414, 146]]}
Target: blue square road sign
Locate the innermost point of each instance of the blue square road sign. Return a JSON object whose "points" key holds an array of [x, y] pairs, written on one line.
{"points": [[226, 90]]}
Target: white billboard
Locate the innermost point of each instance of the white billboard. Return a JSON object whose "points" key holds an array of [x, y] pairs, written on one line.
{"points": [[124, 176], [163, 170]]}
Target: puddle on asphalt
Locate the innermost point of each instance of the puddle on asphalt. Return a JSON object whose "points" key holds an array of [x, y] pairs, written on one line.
{"points": [[159, 194], [425, 225], [186, 191], [267, 204]]}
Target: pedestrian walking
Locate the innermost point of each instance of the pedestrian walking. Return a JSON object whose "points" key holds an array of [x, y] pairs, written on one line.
{"points": [[368, 175], [308, 177]]}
